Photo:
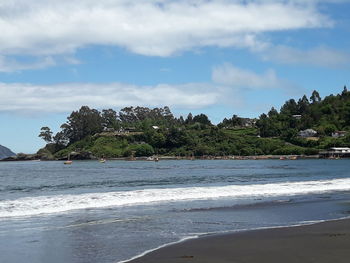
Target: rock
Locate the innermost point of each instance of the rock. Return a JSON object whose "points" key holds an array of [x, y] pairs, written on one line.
{"points": [[22, 157], [83, 155], [5, 152], [45, 155]]}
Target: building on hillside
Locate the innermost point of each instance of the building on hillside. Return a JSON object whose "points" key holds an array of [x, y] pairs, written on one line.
{"points": [[336, 152], [106, 129], [307, 133], [248, 123], [338, 134], [297, 116], [127, 130], [340, 150]]}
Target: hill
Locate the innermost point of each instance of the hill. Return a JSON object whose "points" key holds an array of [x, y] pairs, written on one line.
{"points": [[306, 126], [5, 152]]}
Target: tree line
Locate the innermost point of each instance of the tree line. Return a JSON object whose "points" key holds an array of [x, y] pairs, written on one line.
{"points": [[160, 132]]}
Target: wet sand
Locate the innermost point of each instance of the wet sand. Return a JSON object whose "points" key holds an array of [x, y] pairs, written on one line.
{"points": [[320, 243]]}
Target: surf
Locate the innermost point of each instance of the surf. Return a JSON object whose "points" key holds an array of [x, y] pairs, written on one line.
{"points": [[31, 206]]}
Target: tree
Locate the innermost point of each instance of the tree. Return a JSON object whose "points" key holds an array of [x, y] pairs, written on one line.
{"points": [[345, 92], [267, 127], [236, 121], [315, 97], [110, 119], [167, 114], [346, 113], [141, 149], [46, 134], [202, 119], [303, 105], [181, 120], [60, 140], [329, 129], [290, 107], [189, 119], [232, 122], [157, 139], [82, 123], [127, 115], [273, 112]]}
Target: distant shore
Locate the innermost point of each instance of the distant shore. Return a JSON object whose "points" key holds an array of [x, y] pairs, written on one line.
{"points": [[321, 243], [34, 157]]}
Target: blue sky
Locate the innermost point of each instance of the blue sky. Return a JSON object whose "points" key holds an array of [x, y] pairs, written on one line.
{"points": [[218, 57]]}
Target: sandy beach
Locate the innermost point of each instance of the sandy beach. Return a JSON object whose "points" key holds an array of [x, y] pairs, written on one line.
{"points": [[322, 242]]}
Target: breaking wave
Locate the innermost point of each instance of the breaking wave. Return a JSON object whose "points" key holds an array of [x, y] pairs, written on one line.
{"points": [[30, 206]]}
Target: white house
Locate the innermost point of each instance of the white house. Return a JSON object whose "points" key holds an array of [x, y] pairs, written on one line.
{"points": [[307, 133], [297, 116], [338, 134], [340, 150]]}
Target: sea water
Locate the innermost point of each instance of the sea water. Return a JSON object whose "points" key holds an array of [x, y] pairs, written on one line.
{"points": [[114, 211]]}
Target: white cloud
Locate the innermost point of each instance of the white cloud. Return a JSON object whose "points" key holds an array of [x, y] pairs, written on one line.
{"points": [[232, 76], [68, 97], [154, 27], [11, 65], [320, 56], [229, 86]]}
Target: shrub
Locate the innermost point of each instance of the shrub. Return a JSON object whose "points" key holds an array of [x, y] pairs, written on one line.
{"points": [[289, 150], [139, 150]]}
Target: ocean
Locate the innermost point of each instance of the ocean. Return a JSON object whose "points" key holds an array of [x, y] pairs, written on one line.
{"points": [[114, 211]]}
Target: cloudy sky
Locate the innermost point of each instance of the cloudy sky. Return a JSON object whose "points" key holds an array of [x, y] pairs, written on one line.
{"points": [[219, 57]]}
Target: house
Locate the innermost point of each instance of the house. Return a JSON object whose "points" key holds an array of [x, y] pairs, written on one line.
{"points": [[297, 116], [248, 123], [127, 130], [338, 134], [336, 152], [106, 129], [340, 150], [155, 127], [307, 133]]}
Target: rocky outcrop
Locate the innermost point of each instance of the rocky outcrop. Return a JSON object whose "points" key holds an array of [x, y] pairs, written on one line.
{"points": [[81, 155], [22, 157], [5, 152], [45, 155]]}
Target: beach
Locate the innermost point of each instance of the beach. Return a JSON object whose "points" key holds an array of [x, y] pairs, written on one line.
{"points": [[113, 212], [321, 242]]}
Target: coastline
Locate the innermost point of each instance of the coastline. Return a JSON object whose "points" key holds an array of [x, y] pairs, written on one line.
{"points": [[34, 157], [327, 241]]}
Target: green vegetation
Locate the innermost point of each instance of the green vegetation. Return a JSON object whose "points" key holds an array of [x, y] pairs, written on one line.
{"points": [[142, 131], [323, 116]]}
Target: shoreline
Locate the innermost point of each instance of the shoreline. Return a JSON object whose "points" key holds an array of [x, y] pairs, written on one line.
{"points": [[164, 158], [323, 241]]}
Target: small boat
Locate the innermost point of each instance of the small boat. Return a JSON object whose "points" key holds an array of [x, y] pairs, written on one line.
{"points": [[102, 160], [68, 160], [153, 158]]}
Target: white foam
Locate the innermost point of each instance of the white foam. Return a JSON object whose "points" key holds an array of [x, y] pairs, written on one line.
{"points": [[157, 248], [303, 223], [59, 203]]}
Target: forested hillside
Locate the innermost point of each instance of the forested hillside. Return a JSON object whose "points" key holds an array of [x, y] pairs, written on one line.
{"points": [[141, 131]]}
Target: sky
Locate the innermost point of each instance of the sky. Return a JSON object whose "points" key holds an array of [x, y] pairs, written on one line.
{"points": [[218, 57]]}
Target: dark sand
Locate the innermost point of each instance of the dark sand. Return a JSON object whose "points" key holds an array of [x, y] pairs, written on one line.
{"points": [[323, 242]]}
